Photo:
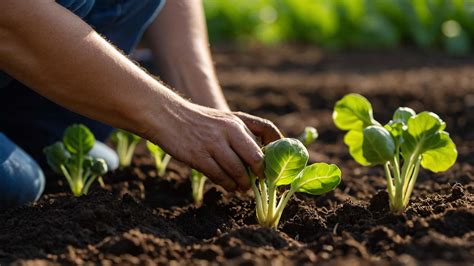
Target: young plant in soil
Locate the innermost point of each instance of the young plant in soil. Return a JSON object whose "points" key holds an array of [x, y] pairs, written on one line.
{"points": [[198, 180], [309, 135], [406, 143], [125, 144], [161, 157], [285, 164], [70, 159]]}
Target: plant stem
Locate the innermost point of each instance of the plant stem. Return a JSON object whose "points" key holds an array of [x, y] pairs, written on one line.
{"points": [[388, 176], [198, 189], [122, 144], [163, 164], [411, 185], [258, 201], [129, 154], [89, 182], [263, 190], [271, 203], [285, 197]]}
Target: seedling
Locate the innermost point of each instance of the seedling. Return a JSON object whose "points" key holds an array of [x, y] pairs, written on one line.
{"points": [[125, 144], [285, 164], [198, 180], [309, 135], [161, 157], [70, 159], [404, 144]]}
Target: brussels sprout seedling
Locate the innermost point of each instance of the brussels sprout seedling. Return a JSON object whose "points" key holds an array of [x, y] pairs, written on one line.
{"points": [[285, 164], [161, 157], [404, 144], [125, 144], [198, 180], [309, 135], [70, 159]]}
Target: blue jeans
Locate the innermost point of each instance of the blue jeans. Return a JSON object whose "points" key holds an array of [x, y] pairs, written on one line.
{"points": [[32, 122]]}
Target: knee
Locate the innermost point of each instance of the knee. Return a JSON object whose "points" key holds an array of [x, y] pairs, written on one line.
{"points": [[79, 7], [21, 179]]}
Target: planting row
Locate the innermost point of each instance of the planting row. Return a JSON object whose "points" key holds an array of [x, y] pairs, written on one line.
{"points": [[402, 146]]}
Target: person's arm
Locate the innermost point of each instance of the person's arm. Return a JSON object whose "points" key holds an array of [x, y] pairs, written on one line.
{"points": [[54, 52], [180, 47]]}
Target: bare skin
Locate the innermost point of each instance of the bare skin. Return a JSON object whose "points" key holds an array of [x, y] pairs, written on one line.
{"points": [[59, 56], [182, 52]]}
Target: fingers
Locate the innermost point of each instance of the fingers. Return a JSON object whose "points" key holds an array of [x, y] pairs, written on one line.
{"points": [[260, 127], [248, 150], [233, 166], [214, 172]]}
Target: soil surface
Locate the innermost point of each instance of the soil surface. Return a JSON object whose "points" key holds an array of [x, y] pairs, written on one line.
{"points": [[139, 218]]}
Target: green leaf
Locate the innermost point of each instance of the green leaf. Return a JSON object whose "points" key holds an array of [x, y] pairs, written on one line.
{"points": [[155, 149], [309, 135], [440, 153], [353, 112], [120, 135], [354, 140], [99, 166], [403, 114], [378, 146], [284, 160], [395, 128], [424, 124], [317, 179], [425, 137], [78, 139], [196, 175], [56, 155], [420, 128]]}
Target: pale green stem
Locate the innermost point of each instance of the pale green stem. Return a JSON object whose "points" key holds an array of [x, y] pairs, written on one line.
{"points": [[101, 182], [163, 164], [258, 201], [129, 154], [390, 188], [88, 184], [285, 197], [73, 185], [122, 151], [66, 174], [271, 202], [396, 166], [198, 189], [411, 183], [263, 190]]}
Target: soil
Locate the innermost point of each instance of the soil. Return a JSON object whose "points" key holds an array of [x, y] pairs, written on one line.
{"points": [[139, 218]]}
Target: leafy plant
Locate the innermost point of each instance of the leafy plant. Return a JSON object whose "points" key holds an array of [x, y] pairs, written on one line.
{"points": [[70, 159], [285, 164], [161, 157], [198, 180], [125, 144], [309, 135], [404, 144]]}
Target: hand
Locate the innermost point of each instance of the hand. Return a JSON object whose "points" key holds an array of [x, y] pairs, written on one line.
{"points": [[217, 143]]}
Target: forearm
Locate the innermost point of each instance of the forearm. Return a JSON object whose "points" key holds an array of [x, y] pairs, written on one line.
{"points": [[58, 55], [179, 42]]}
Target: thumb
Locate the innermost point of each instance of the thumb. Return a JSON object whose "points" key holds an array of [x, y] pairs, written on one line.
{"points": [[260, 127]]}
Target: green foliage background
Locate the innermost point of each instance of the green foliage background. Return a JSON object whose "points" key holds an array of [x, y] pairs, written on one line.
{"points": [[339, 24]]}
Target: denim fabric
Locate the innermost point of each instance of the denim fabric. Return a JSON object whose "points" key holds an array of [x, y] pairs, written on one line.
{"points": [[33, 122], [21, 179]]}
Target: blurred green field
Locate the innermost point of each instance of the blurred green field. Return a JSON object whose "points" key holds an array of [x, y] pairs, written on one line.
{"points": [[341, 24]]}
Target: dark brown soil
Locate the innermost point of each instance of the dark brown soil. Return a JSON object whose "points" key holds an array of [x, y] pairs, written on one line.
{"points": [[140, 218]]}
